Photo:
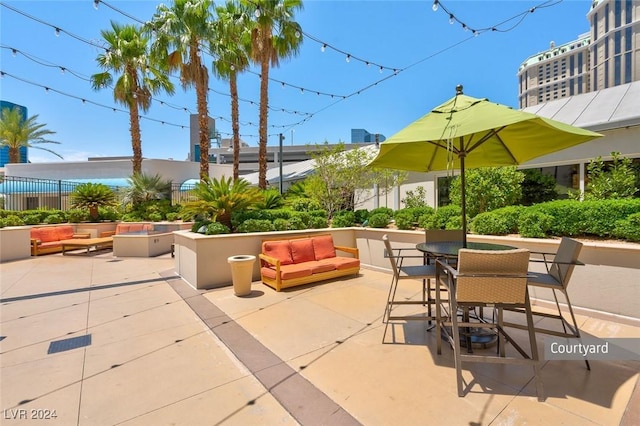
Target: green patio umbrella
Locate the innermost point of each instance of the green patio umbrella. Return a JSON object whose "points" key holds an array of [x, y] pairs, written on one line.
{"points": [[470, 132]]}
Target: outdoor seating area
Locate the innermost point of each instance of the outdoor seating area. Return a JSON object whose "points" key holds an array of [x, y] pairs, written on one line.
{"points": [[49, 239], [123, 323]]}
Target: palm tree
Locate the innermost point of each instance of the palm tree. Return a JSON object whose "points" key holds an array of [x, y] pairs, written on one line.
{"points": [[232, 30], [92, 196], [219, 199], [17, 132], [274, 36], [180, 31], [128, 55], [145, 188]]}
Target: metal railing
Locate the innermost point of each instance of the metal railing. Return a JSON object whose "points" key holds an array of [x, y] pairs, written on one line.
{"points": [[21, 193]]}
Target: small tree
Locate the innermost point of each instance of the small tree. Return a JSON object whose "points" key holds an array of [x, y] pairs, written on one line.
{"points": [[488, 188], [342, 178], [617, 180], [91, 196], [417, 198]]}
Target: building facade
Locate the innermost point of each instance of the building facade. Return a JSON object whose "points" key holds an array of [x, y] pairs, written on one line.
{"points": [[604, 57], [362, 136]]}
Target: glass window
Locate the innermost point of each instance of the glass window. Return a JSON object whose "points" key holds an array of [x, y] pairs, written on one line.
{"points": [[627, 39], [628, 11], [617, 42], [571, 64], [627, 67], [594, 25], [617, 71], [606, 18], [579, 85], [595, 79], [579, 63], [443, 190], [617, 11]]}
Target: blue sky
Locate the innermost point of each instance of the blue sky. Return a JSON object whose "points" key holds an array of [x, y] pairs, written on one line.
{"points": [[433, 54]]}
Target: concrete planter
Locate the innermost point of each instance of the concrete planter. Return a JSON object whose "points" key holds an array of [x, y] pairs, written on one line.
{"points": [[15, 243], [607, 283]]}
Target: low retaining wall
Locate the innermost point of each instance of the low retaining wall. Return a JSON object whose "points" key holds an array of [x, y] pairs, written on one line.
{"points": [[607, 283]]}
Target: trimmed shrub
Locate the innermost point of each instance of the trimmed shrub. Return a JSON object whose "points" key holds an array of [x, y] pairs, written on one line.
{"points": [[568, 217], [255, 225], [343, 219], [54, 218], [427, 220], [11, 220], [404, 219], [77, 215], [361, 215], [155, 217], [296, 222], [216, 228], [200, 226], [628, 228], [317, 222], [490, 223], [171, 217], [448, 215], [31, 219], [418, 212], [533, 224], [385, 210], [379, 220], [281, 224]]}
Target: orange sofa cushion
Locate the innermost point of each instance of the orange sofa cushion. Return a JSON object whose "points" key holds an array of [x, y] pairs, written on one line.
{"points": [[287, 272], [302, 250], [124, 228], [341, 263], [50, 234], [323, 247], [279, 250]]}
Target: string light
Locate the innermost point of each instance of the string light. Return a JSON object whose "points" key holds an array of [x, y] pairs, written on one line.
{"points": [[95, 4], [323, 48], [257, 12], [477, 31], [57, 32], [348, 58]]}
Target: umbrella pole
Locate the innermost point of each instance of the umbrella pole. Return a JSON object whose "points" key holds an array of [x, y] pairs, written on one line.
{"points": [[463, 190]]}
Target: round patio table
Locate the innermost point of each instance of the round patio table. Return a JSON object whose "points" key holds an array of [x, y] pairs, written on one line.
{"points": [[451, 248]]}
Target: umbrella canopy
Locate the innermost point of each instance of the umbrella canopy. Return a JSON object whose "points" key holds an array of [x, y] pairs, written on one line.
{"points": [[470, 132]]}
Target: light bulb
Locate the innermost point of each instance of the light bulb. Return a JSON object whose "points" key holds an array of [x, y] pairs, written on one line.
{"points": [[258, 12], [233, 67], [451, 19], [435, 5], [95, 4], [348, 58], [62, 70], [14, 52], [323, 48], [297, 34], [57, 32], [475, 33], [380, 70]]}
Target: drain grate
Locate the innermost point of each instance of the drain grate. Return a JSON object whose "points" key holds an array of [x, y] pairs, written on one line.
{"points": [[68, 344]]}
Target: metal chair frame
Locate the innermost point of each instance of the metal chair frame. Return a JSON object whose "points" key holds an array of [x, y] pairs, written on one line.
{"points": [[408, 272], [483, 287]]}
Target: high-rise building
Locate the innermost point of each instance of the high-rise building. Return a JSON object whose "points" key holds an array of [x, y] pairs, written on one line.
{"points": [[604, 57], [4, 151], [362, 136]]}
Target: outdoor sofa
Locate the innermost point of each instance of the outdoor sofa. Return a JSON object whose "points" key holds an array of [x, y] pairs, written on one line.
{"points": [[47, 239], [296, 261]]}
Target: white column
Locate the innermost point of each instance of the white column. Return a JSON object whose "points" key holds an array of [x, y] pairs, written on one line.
{"points": [[581, 180]]}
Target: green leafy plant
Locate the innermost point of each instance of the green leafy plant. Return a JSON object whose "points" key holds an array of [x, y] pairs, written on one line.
{"points": [[537, 187], [379, 220], [218, 199], [617, 180], [91, 196], [256, 225], [534, 224], [488, 188], [628, 228], [343, 219], [415, 198], [11, 220], [216, 228], [404, 219], [77, 215], [271, 200]]}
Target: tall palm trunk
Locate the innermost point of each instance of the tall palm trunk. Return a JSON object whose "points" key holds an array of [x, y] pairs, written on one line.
{"points": [[202, 87], [264, 103], [233, 87], [14, 154]]}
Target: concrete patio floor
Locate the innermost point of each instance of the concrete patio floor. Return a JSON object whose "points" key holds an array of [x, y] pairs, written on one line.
{"points": [[151, 350]]}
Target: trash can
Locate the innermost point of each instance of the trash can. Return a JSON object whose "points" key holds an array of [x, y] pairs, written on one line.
{"points": [[241, 273]]}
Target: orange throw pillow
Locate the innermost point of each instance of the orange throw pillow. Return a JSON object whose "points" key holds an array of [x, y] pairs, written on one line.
{"points": [[278, 249], [302, 250], [323, 247]]}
